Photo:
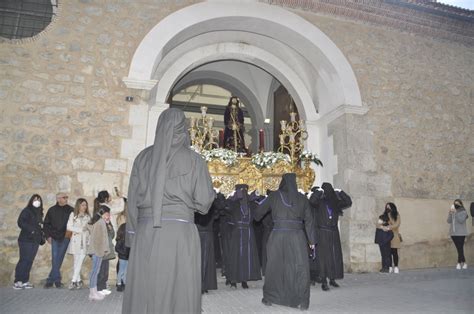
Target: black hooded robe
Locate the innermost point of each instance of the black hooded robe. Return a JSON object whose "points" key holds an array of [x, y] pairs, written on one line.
{"points": [[243, 263], [327, 206], [204, 224], [287, 278]]}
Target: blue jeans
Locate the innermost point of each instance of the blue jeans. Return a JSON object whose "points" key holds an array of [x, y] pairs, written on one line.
{"points": [[58, 250], [96, 262], [122, 273], [28, 252]]}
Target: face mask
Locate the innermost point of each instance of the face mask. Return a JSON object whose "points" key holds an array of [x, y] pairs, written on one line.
{"points": [[36, 203], [457, 206]]}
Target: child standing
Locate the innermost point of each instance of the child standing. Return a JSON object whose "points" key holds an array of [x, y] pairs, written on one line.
{"points": [[123, 253]]}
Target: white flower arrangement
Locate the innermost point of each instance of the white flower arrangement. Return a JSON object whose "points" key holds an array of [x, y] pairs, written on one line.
{"points": [[228, 157], [268, 159], [309, 156]]}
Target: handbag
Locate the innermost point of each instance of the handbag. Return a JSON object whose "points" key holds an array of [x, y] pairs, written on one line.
{"points": [[382, 237], [68, 234]]}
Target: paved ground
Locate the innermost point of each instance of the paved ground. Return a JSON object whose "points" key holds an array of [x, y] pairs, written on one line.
{"points": [[438, 290]]}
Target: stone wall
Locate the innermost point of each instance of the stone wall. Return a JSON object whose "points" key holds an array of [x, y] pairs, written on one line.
{"points": [[63, 112], [414, 144], [65, 126]]}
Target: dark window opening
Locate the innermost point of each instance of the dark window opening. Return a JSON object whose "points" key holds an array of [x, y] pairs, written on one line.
{"points": [[25, 18]]}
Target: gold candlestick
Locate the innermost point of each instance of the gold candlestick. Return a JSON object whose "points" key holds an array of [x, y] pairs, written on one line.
{"points": [[203, 136], [292, 135]]}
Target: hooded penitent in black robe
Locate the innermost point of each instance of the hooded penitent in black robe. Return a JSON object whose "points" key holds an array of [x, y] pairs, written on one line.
{"points": [[287, 279], [204, 224], [242, 262], [327, 206], [168, 183]]}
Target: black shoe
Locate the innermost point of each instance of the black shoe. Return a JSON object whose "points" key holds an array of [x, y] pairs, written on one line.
{"points": [[325, 287], [334, 283], [244, 285], [59, 285], [227, 282], [48, 285], [266, 302], [384, 271], [120, 288], [233, 285]]}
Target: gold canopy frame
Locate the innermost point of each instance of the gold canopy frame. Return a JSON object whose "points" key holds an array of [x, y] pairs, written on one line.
{"points": [[245, 172]]}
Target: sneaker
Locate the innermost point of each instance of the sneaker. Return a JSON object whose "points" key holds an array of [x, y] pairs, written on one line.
{"points": [[464, 266], [390, 269], [28, 285], [48, 285], [384, 270], [396, 270], [458, 266], [120, 288], [59, 285], [18, 285], [79, 285], [72, 285], [105, 292]]}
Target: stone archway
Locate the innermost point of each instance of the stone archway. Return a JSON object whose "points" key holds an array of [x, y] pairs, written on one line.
{"points": [[294, 51]]}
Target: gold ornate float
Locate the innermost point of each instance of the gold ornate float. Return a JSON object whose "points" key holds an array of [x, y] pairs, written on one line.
{"points": [[262, 179]]}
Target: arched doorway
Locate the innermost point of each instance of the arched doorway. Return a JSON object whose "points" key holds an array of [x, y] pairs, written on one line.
{"points": [[293, 51]]}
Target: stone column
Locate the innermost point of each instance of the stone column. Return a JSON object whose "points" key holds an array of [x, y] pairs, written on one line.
{"points": [[368, 186]]}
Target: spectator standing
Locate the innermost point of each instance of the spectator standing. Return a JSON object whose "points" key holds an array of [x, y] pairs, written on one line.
{"points": [[30, 238], [457, 217], [98, 248], [77, 224], [55, 224]]}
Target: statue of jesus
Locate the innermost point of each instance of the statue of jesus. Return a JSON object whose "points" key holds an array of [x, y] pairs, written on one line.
{"points": [[234, 126]]}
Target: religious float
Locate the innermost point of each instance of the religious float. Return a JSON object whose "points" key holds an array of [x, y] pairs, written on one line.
{"points": [[261, 171]]}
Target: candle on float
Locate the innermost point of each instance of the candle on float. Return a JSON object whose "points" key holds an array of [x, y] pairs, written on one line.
{"points": [[293, 116], [282, 139], [261, 140], [221, 138]]}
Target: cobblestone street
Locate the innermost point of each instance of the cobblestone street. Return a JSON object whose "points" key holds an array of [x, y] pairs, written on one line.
{"points": [[440, 290]]}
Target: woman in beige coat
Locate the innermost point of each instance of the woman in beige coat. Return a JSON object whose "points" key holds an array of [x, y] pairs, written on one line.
{"points": [[394, 221], [98, 248]]}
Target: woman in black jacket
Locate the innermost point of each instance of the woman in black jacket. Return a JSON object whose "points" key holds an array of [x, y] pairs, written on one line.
{"points": [[31, 236]]}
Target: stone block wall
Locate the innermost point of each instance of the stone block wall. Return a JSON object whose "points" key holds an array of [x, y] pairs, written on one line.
{"points": [[64, 119], [65, 124], [413, 145]]}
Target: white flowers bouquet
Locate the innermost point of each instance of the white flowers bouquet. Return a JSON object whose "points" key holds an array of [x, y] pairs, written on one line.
{"points": [[309, 156], [268, 159], [228, 157]]}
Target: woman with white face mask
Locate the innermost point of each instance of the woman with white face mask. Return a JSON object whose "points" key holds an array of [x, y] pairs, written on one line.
{"points": [[30, 222], [457, 217]]}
